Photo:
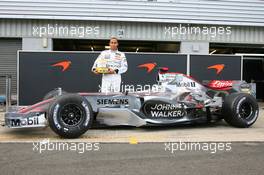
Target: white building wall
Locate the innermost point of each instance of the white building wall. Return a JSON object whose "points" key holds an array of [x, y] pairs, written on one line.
{"points": [[16, 28], [222, 12]]}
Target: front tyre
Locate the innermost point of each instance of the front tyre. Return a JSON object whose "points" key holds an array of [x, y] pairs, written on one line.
{"points": [[70, 116], [240, 110]]}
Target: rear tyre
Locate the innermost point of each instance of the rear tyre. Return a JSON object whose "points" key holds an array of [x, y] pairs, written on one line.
{"points": [[70, 116], [240, 110]]}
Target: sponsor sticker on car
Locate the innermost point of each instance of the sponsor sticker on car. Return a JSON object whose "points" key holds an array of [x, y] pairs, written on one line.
{"points": [[164, 110], [33, 121]]}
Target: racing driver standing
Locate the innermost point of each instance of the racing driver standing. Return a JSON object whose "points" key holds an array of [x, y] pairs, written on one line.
{"points": [[116, 64]]}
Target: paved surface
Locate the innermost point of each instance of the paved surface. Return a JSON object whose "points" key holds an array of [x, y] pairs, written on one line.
{"points": [[38, 150], [214, 132], [244, 158]]}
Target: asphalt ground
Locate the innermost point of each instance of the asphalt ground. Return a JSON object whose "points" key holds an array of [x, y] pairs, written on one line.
{"points": [[147, 158]]}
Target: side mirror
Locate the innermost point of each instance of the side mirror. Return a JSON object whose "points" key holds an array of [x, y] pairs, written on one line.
{"points": [[163, 69]]}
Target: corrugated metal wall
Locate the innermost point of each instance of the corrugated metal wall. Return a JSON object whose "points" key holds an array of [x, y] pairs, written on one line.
{"points": [[132, 31], [224, 12], [8, 61]]}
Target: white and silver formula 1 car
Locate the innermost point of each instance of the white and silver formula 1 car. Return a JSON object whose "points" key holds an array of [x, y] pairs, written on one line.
{"points": [[182, 100]]}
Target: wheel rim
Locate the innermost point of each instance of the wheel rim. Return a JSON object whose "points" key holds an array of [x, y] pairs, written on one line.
{"points": [[245, 111], [71, 114]]}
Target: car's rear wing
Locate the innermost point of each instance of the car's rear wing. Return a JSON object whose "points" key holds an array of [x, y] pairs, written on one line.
{"points": [[231, 86]]}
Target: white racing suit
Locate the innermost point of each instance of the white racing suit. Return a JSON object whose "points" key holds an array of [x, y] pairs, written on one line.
{"points": [[117, 61]]}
